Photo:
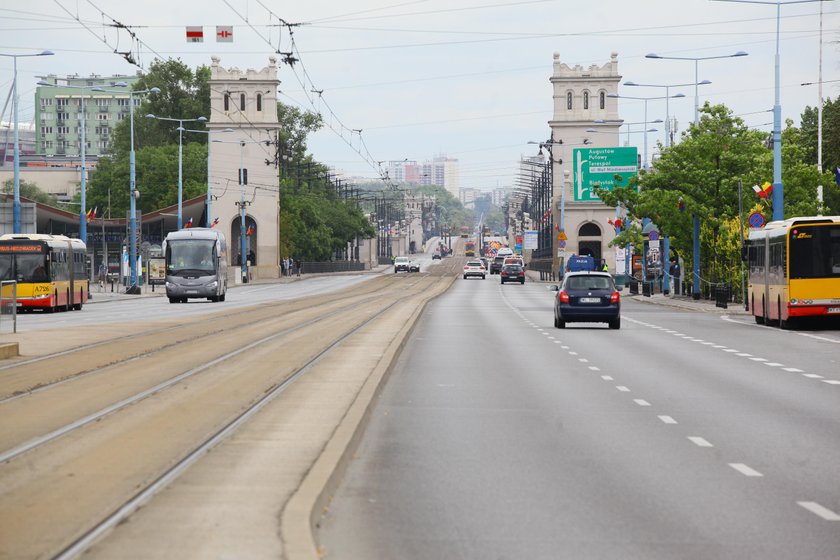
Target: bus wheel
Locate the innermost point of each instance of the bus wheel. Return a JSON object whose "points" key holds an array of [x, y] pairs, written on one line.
{"points": [[759, 318], [173, 300], [222, 297], [78, 306], [785, 325]]}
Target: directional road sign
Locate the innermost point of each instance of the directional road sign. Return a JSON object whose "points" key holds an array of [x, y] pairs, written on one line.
{"points": [[600, 167]]}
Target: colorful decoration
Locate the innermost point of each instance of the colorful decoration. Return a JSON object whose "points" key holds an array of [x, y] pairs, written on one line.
{"points": [[764, 190]]}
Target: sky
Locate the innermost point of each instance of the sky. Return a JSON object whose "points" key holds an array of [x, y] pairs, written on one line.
{"points": [[468, 79]]}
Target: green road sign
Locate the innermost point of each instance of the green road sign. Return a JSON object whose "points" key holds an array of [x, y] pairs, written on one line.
{"points": [[598, 167]]}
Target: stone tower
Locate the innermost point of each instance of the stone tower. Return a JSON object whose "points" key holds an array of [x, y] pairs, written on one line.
{"points": [[245, 101], [581, 98]]}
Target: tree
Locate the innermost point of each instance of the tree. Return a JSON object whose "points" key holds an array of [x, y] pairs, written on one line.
{"points": [[30, 191]]}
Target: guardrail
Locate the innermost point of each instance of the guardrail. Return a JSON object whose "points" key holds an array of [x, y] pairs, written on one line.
{"points": [[8, 306]]}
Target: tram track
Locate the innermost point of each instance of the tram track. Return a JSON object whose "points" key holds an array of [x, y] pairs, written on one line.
{"points": [[143, 446]]}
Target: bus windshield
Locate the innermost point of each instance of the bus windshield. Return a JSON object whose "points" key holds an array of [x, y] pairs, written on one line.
{"points": [[23, 268], [189, 257], [815, 252]]}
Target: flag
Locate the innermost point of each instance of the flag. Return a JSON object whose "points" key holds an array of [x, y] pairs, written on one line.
{"points": [[764, 190], [89, 215], [224, 34], [195, 34], [215, 222], [250, 230], [188, 224]]}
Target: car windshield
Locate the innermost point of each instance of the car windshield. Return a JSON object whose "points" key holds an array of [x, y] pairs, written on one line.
{"points": [[401, 259], [588, 283]]}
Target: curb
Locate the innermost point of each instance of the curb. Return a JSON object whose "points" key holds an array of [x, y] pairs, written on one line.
{"points": [[300, 517]]}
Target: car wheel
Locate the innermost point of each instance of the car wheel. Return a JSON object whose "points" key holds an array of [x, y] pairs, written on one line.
{"points": [[465, 276], [560, 324], [615, 323], [555, 322], [522, 281], [483, 277]]}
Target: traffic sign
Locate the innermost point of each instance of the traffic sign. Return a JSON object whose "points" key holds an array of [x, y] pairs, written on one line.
{"points": [[756, 220], [562, 236], [599, 167], [653, 235], [561, 244]]}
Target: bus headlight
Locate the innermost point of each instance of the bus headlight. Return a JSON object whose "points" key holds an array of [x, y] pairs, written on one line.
{"points": [[213, 285]]}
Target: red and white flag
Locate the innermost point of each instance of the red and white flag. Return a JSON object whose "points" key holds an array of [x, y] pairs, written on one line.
{"points": [[195, 34], [224, 34]]}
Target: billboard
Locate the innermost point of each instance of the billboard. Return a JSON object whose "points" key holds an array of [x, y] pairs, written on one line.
{"points": [[599, 167]]}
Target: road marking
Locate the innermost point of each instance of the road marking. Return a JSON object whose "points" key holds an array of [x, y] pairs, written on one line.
{"points": [[823, 512], [743, 354], [571, 353], [678, 334], [773, 364], [564, 347], [758, 359], [641, 402], [699, 442], [812, 375], [792, 369], [558, 342], [730, 350], [744, 469], [546, 334], [607, 378], [622, 388], [721, 347], [583, 360], [831, 381], [671, 332], [594, 368], [709, 344], [667, 419], [550, 337]]}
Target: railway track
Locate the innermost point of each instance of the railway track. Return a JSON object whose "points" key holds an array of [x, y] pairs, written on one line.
{"points": [[85, 443]]}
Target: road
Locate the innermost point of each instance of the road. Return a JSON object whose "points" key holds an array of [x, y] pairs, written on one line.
{"points": [[682, 435]]}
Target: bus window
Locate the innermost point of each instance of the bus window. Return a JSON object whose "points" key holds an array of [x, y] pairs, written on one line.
{"points": [[815, 252], [6, 272], [30, 268]]}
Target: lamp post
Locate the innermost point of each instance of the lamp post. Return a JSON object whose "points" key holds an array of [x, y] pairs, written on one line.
{"points": [[695, 285], [16, 227], [645, 99], [209, 188], [667, 97], [180, 130]]}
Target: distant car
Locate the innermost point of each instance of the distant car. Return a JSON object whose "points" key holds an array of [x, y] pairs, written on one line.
{"points": [[401, 264], [514, 260], [513, 273], [413, 267], [474, 268], [496, 265], [587, 297], [436, 256], [485, 261]]}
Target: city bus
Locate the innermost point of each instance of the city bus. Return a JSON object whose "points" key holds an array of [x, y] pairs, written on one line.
{"points": [[50, 270], [469, 248], [196, 264], [794, 270]]}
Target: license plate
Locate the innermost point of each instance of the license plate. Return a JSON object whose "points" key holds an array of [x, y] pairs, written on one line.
{"points": [[833, 310], [590, 300], [191, 291]]}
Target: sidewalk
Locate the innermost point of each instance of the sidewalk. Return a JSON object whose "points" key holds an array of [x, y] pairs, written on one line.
{"points": [[686, 302]]}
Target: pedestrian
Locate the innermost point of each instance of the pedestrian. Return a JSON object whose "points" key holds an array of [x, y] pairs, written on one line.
{"points": [[606, 267], [103, 273], [675, 273], [297, 267]]}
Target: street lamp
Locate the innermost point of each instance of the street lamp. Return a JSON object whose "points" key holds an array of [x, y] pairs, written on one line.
{"points": [[82, 153], [243, 256], [667, 95], [16, 206], [645, 99], [209, 189], [180, 130]]}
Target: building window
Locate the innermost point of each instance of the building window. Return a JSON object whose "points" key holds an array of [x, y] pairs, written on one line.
{"points": [[64, 130], [241, 101], [121, 116], [46, 130], [62, 116], [227, 102], [102, 144], [589, 230], [48, 144], [122, 102], [62, 102], [259, 102], [103, 117], [46, 101], [47, 116], [586, 100], [569, 101], [603, 100], [103, 102]]}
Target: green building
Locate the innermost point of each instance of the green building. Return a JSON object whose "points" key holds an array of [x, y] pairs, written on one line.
{"points": [[58, 113]]}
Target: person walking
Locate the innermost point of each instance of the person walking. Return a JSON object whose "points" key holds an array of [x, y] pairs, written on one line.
{"points": [[675, 273], [297, 267], [103, 274]]}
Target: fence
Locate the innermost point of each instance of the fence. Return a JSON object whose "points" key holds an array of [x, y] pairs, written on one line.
{"points": [[543, 266]]}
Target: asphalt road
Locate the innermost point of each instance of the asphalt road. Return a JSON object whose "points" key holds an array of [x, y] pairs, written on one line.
{"points": [[682, 435]]}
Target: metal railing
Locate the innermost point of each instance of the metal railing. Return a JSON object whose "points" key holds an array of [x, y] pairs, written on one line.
{"points": [[8, 306]]}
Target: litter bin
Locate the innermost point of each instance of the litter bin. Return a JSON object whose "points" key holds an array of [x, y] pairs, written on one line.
{"points": [[634, 286], [722, 295], [646, 287]]}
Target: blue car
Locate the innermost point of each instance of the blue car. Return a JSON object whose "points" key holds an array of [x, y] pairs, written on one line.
{"points": [[588, 297]]}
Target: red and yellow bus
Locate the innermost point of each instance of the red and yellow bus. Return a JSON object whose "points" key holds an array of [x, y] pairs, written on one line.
{"points": [[469, 248], [50, 271], [794, 270]]}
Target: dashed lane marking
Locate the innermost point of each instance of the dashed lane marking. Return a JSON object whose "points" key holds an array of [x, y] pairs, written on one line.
{"points": [[793, 370], [773, 364], [812, 375], [622, 388], [699, 442], [583, 360], [743, 354], [641, 402], [758, 359], [607, 378], [744, 469], [817, 509], [831, 381], [594, 368], [730, 350], [667, 419]]}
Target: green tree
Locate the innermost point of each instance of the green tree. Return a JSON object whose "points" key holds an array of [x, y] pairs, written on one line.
{"points": [[30, 191]]}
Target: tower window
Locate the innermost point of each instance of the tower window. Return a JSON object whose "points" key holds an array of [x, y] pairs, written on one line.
{"points": [[569, 101], [603, 101], [586, 100], [242, 101], [259, 102], [227, 102]]}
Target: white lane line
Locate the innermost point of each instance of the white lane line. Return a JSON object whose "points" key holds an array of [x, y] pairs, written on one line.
{"points": [[594, 368], [641, 402], [813, 375], [792, 369], [550, 337], [699, 442], [573, 353], [622, 388], [773, 364], [708, 343], [729, 350], [831, 381], [758, 359], [558, 342], [744, 469], [743, 354], [564, 347], [583, 360], [817, 509], [721, 347], [607, 378], [667, 419], [546, 334], [671, 332]]}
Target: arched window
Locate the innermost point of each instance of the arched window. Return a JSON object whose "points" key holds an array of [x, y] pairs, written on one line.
{"points": [[227, 102], [586, 100], [259, 102], [242, 101], [603, 101], [569, 101], [589, 230]]}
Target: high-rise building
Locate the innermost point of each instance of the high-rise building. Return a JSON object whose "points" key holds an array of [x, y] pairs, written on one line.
{"points": [[58, 112]]}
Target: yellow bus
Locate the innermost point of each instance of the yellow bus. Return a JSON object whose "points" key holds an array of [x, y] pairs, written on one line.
{"points": [[794, 270], [50, 271]]}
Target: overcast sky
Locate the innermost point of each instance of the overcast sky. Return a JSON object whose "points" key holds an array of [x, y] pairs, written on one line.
{"points": [[464, 78]]}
